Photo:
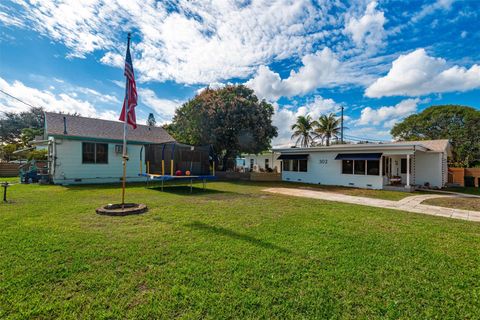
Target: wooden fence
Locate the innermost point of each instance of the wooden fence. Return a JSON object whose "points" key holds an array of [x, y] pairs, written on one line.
{"points": [[457, 175], [252, 176], [9, 169]]}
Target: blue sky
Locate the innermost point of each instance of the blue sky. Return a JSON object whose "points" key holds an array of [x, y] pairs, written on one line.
{"points": [[381, 60]]}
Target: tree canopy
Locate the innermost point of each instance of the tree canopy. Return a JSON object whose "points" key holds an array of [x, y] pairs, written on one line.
{"points": [[151, 122], [13, 125], [459, 124], [232, 119], [303, 131], [309, 132], [328, 127]]}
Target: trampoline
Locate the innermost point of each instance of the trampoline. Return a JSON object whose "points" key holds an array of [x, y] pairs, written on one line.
{"points": [[178, 162]]}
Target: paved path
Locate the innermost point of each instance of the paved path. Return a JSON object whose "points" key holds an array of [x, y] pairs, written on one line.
{"points": [[410, 204]]}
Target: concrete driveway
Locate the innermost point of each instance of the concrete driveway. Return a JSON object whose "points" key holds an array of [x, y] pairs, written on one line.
{"points": [[410, 204]]}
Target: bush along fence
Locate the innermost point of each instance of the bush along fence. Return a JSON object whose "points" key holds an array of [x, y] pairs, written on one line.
{"points": [[464, 177]]}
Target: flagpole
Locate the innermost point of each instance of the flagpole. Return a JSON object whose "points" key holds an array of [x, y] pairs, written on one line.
{"points": [[124, 151]]}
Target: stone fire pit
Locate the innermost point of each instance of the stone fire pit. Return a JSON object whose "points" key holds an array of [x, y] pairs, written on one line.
{"points": [[117, 210]]}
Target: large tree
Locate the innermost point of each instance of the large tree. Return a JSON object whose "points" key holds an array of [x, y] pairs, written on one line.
{"points": [[13, 125], [303, 131], [232, 119], [459, 124]]}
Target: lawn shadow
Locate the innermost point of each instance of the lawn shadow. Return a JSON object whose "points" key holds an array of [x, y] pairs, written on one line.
{"points": [[235, 235], [185, 190]]}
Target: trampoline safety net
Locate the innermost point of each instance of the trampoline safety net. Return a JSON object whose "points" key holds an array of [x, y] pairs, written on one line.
{"points": [[194, 159]]}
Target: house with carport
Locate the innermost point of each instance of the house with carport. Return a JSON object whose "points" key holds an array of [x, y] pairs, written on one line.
{"points": [[396, 165]]}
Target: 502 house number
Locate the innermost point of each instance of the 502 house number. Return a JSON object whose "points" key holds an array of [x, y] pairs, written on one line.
{"points": [[323, 161]]}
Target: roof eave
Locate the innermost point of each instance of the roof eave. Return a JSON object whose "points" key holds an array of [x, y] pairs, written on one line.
{"points": [[353, 148]]}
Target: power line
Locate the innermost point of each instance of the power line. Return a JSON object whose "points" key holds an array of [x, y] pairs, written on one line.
{"points": [[18, 99], [363, 138]]}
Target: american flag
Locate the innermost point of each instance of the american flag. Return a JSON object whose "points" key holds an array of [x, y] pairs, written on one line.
{"points": [[130, 101]]}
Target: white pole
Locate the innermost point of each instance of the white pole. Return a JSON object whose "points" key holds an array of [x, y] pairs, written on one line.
{"points": [[124, 151], [408, 170]]}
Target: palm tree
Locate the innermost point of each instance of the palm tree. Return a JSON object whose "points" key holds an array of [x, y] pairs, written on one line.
{"points": [[303, 131], [327, 127]]}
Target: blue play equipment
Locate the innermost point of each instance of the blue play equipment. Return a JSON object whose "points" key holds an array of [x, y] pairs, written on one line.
{"points": [[29, 173]]}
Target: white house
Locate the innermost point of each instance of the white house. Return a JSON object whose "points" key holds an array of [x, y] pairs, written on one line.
{"points": [[87, 150], [262, 161], [376, 166]]}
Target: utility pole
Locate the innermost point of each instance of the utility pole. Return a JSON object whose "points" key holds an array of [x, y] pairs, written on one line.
{"points": [[341, 128]]}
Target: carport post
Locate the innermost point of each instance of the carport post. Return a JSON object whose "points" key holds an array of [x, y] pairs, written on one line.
{"points": [[408, 170]]}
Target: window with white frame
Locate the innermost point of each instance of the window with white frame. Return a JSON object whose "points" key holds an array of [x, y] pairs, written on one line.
{"points": [[361, 167], [295, 165]]}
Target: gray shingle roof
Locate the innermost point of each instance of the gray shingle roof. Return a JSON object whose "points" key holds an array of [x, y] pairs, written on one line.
{"points": [[101, 129], [440, 145]]}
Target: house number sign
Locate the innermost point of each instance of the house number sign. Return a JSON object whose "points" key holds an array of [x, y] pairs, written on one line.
{"points": [[323, 161]]}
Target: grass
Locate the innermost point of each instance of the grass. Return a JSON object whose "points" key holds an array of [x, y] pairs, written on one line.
{"points": [[230, 252], [351, 191], [468, 190], [457, 203]]}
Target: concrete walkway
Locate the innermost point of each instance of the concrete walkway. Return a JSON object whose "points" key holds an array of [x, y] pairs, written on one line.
{"points": [[410, 204]]}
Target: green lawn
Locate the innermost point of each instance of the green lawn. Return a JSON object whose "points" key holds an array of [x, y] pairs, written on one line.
{"points": [[230, 252], [468, 190], [457, 203]]}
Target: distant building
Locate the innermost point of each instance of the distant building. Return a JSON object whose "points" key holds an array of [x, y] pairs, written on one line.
{"points": [[266, 161]]}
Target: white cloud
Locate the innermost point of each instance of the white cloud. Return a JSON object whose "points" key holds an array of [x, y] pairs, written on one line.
{"points": [[49, 100], [321, 69], [198, 42], [213, 85], [417, 74], [442, 5], [284, 117], [9, 20], [388, 115], [163, 107], [370, 133], [368, 30]]}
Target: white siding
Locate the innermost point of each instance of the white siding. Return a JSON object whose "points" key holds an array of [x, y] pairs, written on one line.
{"points": [[428, 168], [69, 166], [331, 173], [259, 160]]}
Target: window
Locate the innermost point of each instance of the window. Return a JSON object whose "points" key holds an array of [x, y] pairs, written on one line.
{"points": [[302, 165], [88, 154], [101, 153], [251, 164], [403, 166], [347, 166], [359, 167], [267, 166], [373, 167], [94, 152], [295, 165]]}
